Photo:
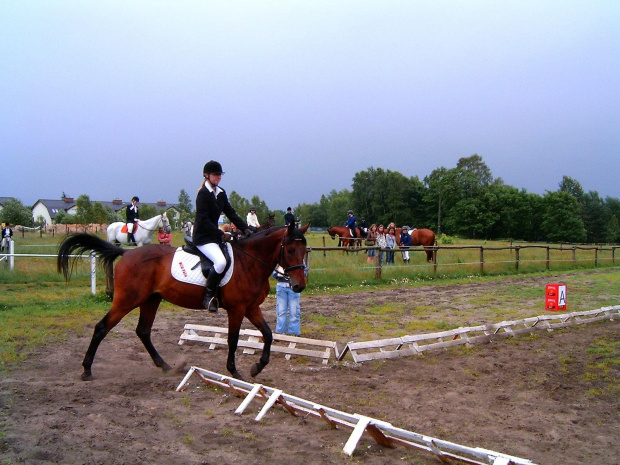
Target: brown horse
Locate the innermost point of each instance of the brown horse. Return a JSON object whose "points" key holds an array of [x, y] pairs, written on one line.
{"points": [[143, 278], [424, 237], [344, 236]]}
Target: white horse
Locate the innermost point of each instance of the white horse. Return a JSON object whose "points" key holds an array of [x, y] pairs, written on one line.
{"points": [[144, 234], [188, 228]]}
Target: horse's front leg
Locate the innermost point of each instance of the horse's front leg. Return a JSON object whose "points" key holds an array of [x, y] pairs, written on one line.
{"points": [[255, 315]]}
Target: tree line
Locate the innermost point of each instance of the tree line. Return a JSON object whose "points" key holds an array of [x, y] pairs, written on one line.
{"points": [[464, 201]]}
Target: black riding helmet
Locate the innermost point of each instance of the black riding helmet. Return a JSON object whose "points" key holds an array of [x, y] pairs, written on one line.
{"points": [[212, 167]]}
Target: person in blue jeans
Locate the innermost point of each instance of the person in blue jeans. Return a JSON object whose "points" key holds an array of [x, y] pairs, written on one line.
{"points": [[288, 312]]}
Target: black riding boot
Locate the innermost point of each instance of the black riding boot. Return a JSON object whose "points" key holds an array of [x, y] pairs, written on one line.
{"points": [[131, 240], [210, 301]]}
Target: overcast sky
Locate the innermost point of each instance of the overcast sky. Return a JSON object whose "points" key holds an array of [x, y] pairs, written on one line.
{"points": [[120, 98]]}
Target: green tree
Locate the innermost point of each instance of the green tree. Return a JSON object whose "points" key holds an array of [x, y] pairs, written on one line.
{"points": [[595, 216], [15, 212], [185, 206], [438, 185], [146, 211], [83, 210], [571, 186], [613, 230], [561, 222], [383, 196]]}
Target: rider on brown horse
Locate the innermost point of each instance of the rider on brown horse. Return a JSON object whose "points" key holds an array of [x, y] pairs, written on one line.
{"points": [[211, 202], [351, 224]]}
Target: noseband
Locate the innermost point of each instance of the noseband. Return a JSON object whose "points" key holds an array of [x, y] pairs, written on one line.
{"points": [[281, 258]]}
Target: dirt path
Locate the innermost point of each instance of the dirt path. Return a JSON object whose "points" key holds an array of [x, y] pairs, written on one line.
{"points": [[540, 397]]}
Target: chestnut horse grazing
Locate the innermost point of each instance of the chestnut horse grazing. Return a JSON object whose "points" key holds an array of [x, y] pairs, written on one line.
{"points": [[344, 236], [142, 278]]}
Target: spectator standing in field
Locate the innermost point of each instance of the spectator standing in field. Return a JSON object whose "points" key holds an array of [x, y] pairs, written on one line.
{"points": [[288, 311], [405, 243], [390, 241], [371, 241], [381, 241], [132, 217], [289, 217], [252, 219], [163, 237]]}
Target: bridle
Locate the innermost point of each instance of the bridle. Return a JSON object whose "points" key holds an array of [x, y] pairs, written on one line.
{"points": [[280, 258], [162, 226]]}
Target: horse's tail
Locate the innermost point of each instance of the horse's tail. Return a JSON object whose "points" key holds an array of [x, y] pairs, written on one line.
{"points": [[78, 244]]}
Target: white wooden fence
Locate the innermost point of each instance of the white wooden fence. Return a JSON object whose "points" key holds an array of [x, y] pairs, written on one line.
{"points": [[416, 344], [382, 432], [251, 340]]}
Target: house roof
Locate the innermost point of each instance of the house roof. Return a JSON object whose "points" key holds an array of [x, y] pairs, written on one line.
{"points": [[54, 206]]}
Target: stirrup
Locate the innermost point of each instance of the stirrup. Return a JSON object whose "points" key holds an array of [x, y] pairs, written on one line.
{"points": [[210, 303]]}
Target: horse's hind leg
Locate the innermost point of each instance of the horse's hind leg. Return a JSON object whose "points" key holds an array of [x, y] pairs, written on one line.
{"points": [[148, 310]]}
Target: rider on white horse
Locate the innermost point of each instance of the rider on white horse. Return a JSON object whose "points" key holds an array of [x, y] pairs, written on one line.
{"points": [[7, 234], [133, 217]]}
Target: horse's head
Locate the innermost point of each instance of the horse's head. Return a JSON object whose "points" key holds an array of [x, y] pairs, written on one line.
{"points": [[332, 232], [293, 256], [165, 223]]}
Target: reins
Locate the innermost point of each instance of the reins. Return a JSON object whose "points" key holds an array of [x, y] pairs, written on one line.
{"points": [[153, 230]]}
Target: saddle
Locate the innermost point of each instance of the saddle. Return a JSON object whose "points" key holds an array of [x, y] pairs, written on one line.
{"points": [[205, 263]]}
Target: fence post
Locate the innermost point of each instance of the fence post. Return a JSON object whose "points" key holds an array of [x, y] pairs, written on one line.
{"points": [[324, 254], [435, 259], [547, 262], [517, 258], [574, 253], [481, 259], [378, 262], [93, 273], [595, 257], [11, 255]]}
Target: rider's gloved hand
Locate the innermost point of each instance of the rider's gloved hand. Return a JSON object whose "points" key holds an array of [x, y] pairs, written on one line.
{"points": [[248, 232], [227, 237]]}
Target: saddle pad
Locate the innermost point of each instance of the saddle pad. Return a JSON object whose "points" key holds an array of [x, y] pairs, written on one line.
{"points": [[183, 262], [124, 228]]}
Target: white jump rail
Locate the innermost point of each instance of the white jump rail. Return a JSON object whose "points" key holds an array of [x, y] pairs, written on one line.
{"points": [[382, 432], [251, 340], [416, 344]]}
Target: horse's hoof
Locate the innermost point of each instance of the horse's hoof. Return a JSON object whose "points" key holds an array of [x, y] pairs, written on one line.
{"points": [[237, 375], [87, 376], [256, 369], [165, 367]]}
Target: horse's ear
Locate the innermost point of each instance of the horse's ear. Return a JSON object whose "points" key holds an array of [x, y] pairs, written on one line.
{"points": [[303, 229]]}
